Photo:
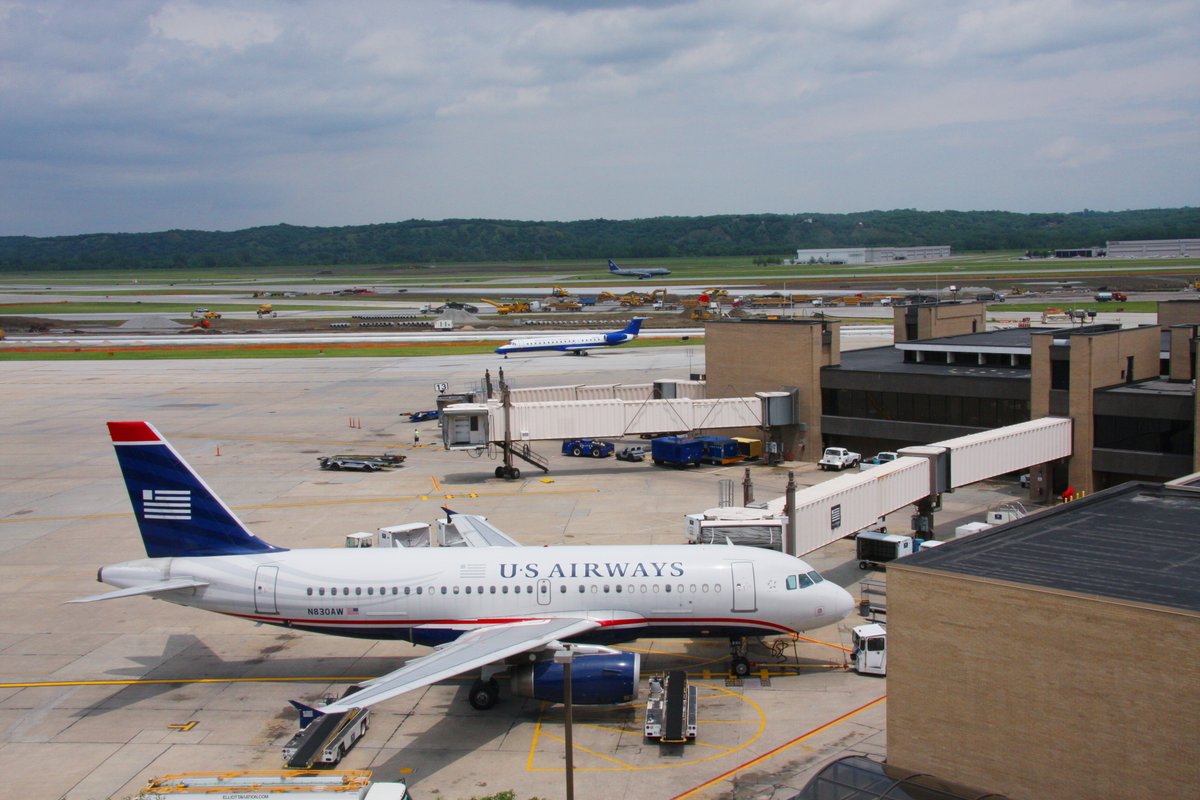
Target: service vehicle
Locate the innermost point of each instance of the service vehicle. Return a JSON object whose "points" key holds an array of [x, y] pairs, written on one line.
{"points": [[751, 527], [720, 450], [882, 457], [422, 416], [869, 656], [634, 453], [876, 548], [324, 738], [351, 784], [265, 310], [1105, 297], [671, 708], [676, 451], [594, 448], [362, 463], [838, 459]]}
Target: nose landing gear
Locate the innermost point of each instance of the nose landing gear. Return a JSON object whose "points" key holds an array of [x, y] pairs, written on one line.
{"points": [[739, 665]]}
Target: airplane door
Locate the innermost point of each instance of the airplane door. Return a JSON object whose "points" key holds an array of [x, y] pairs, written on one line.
{"points": [[543, 591], [264, 590], [743, 586]]}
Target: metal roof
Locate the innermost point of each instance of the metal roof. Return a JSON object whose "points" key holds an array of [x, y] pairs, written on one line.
{"points": [[1136, 542]]}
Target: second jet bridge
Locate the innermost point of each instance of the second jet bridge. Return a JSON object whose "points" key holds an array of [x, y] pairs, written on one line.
{"points": [[470, 426]]}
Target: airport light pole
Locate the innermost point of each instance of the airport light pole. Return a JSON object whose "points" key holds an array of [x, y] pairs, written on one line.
{"points": [[565, 656]]}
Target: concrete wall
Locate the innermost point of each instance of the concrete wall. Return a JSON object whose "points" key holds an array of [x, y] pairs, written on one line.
{"points": [[1179, 312], [749, 356], [1037, 694], [942, 319], [1098, 358]]}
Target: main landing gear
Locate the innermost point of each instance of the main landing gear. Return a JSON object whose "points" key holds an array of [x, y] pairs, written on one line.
{"points": [[739, 665], [484, 694]]}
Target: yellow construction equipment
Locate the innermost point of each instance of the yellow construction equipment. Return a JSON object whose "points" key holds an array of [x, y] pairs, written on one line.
{"points": [[634, 299], [558, 291], [509, 307], [265, 310]]}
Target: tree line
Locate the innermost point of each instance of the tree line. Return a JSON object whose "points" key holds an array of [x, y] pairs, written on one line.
{"points": [[475, 240]]}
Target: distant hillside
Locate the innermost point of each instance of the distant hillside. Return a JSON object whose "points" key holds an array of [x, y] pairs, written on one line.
{"points": [[463, 240]]}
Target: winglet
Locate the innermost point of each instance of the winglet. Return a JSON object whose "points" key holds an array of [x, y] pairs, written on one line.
{"points": [[449, 513]]}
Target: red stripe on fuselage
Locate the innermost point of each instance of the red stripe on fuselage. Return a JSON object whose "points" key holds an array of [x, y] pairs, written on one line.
{"points": [[642, 622]]}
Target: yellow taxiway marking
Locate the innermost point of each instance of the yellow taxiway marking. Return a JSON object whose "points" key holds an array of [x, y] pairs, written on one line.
{"points": [[349, 501], [786, 745], [183, 726]]}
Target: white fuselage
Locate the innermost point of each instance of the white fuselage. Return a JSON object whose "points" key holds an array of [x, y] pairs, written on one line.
{"points": [[433, 595]]}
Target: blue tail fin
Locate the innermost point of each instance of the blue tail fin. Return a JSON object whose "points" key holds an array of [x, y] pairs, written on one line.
{"points": [[612, 267], [177, 513], [634, 326]]}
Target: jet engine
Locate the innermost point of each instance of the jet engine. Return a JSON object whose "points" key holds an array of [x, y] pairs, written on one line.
{"points": [[596, 679]]}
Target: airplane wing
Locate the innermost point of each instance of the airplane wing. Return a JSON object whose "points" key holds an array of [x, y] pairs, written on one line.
{"points": [[474, 531], [172, 585], [472, 650]]}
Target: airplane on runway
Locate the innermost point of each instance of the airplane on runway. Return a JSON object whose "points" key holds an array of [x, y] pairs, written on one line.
{"points": [[495, 606], [574, 343], [649, 272]]}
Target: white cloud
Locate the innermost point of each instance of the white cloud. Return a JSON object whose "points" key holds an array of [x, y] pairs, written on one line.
{"points": [[1067, 151], [211, 27]]}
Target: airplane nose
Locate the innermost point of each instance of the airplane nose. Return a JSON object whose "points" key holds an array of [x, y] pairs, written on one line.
{"points": [[843, 601]]}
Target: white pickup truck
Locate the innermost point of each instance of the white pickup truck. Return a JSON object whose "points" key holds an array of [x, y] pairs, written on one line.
{"points": [[882, 457], [838, 459]]}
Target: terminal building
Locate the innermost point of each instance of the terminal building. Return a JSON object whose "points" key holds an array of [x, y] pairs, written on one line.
{"points": [[1130, 391], [1054, 656]]}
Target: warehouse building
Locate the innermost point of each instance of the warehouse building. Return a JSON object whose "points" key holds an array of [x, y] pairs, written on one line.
{"points": [[1054, 656], [1154, 248], [870, 255]]}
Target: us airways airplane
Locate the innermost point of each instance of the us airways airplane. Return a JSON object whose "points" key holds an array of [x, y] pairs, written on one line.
{"points": [[574, 343], [494, 607], [648, 272]]}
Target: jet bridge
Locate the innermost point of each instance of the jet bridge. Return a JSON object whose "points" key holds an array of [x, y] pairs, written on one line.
{"points": [[845, 505]]}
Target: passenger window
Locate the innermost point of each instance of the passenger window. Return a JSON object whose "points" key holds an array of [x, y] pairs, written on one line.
{"points": [[310, 591], [581, 589], [443, 590], [370, 590], [407, 589], [692, 588], [358, 590], [643, 588], [418, 590], [562, 589], [468, 590], [456, 589], [704, 587], [680, 588], [396, 590], [816, 576], [503, 590], [791, 582], [606, 588], [656, 588], [321, 591], [668, 587], [345, 590], [492, 590]]}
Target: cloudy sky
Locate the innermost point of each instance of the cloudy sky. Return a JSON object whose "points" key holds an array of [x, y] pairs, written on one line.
{"points": [[141, 115]]}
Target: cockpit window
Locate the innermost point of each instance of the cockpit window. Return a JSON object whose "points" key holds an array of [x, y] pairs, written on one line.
{"points": [[791, 582], [805, 581], [816, 576]]}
